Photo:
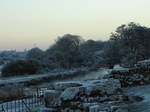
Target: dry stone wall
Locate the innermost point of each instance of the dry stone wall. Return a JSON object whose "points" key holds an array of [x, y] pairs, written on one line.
{"points": [[132, 76], [85, 96]]}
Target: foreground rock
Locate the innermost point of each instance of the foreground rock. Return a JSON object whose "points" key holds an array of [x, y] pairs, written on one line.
{"points": [[85, 96]]}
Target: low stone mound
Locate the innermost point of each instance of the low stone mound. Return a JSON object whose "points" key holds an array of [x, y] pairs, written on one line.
{"points": [[85, 96]]}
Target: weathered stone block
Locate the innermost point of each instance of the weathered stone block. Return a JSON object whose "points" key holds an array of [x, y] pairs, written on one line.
{"points": [[52, 98], [94, 90], [60, 86], [67, 110], [48, 110], [94, 108], [118, 109], [106, 86], [86, 106], [70, 93], [92, 82], [111, 82], [115, 98]]}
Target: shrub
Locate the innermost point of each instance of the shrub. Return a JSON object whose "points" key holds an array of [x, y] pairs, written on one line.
{"points": [[20, 67], [32, 66], [11, 91], [14, 68]]}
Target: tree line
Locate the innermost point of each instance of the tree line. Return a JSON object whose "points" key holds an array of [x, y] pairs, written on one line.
{"points": [[129, 44]]}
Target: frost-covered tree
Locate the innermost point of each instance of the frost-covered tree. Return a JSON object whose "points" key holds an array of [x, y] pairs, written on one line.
{"points": [[35, 53], [68, 43], [20, 67], [89, 51], [111, 54], [134, 42], [65, 50]]}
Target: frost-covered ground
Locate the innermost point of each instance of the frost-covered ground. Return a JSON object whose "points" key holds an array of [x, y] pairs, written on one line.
{"points": [[141, 91], [15, 79], [89, 75]]}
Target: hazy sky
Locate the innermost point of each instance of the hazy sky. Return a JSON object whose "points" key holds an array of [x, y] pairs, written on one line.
{"points": [[24, 23]]}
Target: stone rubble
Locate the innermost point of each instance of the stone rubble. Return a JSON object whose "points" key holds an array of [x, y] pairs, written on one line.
{"points": [[103, 95]]}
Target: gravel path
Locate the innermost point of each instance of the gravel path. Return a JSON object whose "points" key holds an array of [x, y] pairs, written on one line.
{"points": [[141, 91]]}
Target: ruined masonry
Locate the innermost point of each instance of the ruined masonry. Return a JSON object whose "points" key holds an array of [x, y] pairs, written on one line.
{"points": [[85, 96], [136, 76]]}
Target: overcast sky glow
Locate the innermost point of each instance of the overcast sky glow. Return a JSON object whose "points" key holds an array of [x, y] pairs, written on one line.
{"points": [[24, 23]]}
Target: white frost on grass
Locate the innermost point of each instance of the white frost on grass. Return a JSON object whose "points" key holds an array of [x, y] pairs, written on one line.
{"points": [[141, 91], [90, 75], [17, 79]]}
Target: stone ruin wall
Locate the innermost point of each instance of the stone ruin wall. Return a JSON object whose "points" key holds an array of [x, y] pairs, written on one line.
{"points": [[103, 95], [133, 76], [85, 96]]}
